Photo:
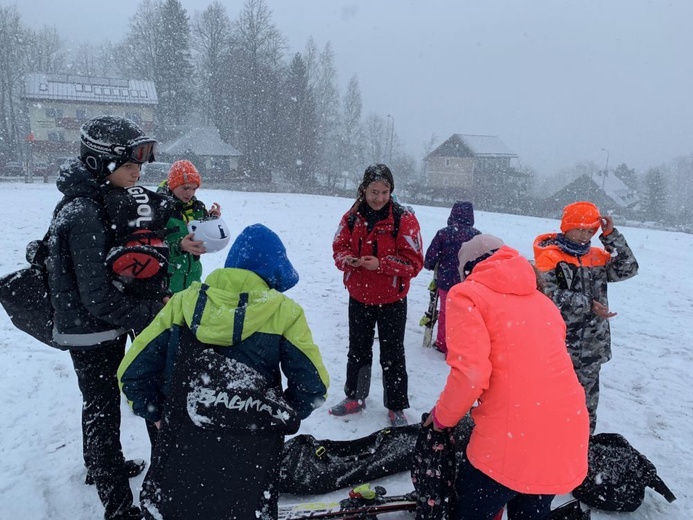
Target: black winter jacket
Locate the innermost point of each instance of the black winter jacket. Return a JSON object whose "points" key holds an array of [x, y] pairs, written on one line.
{"points": [[89, 309]]}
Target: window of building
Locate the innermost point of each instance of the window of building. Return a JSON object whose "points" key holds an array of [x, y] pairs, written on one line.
{"points": [[78, 87], [98, 91], [447, 162], [143, 93], [134, 93], [124, 92], [43, 87], [50, 112], [87, 88]]}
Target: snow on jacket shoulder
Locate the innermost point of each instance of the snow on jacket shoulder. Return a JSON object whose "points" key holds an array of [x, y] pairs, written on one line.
{"points": [[401, 257], [89, 309], [235, 311], [506, 348]]}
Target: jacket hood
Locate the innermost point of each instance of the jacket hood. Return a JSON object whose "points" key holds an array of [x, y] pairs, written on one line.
{"points": [[505, 272], [462, 214], [228, 291], [74, 180], [543, 243], [261, 251]]}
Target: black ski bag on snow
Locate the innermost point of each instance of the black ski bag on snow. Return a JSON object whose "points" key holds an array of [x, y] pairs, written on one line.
{"points": [[312, 467], [618, 475]]}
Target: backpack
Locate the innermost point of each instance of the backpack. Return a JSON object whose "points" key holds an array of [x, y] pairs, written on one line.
{"points": [[618, 475], [26, 297], [397, 212]]}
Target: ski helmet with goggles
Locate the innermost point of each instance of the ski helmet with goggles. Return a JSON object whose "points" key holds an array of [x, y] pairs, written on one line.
{"points": [[108, 142]]}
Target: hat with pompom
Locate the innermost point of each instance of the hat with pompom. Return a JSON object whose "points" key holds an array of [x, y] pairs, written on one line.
{"points": [[183, 172], [580, 215]]}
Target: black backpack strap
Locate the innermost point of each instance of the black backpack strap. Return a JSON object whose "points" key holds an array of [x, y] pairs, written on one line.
{"points": [[660, 487]]}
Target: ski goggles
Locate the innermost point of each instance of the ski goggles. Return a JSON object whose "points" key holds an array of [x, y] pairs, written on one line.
{"points": [[138, 151]]}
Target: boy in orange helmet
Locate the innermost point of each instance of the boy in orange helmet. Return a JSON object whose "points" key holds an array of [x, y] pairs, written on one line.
{"points": [[575, 276]]}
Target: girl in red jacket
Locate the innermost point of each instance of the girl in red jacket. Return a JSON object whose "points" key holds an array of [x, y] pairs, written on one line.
{"points": [[378, 246], [506, 349]]}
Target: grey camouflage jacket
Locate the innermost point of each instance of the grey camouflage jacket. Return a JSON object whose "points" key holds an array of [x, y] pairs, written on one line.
{"points": [[573, 282]]}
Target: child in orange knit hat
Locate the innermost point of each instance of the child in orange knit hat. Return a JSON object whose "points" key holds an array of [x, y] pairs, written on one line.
{"points": [[184, 252], [575, 276]]}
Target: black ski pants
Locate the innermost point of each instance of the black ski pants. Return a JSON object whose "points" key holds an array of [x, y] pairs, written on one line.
{"points": [[390, 319], [96, 371]]}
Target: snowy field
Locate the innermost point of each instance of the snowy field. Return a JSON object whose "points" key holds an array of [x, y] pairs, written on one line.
{"points": [[646, 388]]}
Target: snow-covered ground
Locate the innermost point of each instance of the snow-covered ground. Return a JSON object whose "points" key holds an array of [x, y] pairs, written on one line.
{"points": [[646, 392]]}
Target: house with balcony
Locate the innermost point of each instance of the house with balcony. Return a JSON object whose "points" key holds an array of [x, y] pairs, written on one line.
{"points": [[58, 104], [474, 167]]}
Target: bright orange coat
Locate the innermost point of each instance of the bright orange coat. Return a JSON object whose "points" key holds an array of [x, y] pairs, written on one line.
{"points": [[506, 348]]}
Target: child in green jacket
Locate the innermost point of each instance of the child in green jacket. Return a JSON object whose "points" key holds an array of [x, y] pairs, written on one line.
{"points": [[184, 266]]}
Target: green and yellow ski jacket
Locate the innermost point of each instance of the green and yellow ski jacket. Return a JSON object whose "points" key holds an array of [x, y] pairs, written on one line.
{"points": [[235, 312]]}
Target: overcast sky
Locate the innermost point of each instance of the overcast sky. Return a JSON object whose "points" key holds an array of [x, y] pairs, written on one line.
{"points": [[557, 80]]}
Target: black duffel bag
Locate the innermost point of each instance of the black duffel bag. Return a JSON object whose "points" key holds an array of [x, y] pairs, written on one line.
{"points": [[618, 475], [25, 296], [311, 467]]}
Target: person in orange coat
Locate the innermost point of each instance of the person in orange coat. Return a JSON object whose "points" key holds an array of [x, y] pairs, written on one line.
{"points": [[506, 350], [575, 275]]}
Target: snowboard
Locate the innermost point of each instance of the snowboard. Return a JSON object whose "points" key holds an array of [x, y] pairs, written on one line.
{"points": [[430, 318], [363, 503]]}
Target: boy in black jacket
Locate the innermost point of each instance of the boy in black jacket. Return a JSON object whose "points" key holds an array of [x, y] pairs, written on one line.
{"points": [[92, 316]]}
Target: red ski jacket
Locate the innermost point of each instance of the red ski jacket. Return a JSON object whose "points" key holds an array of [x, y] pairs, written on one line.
{"points": [[401, 256]]}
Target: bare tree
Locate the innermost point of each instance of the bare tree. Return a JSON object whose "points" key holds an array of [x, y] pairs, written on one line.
{"points": [[254, 75], [136, 56], [377, 139], [46, 51], [211, 42], [324, 85], [351, 136]]}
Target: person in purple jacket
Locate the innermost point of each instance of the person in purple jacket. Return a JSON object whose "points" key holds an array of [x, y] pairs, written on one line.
{"points": [[443, 253]]}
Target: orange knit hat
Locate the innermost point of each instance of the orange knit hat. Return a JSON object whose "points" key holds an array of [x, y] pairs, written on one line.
{"points": [[580, 215], [183, 172]]}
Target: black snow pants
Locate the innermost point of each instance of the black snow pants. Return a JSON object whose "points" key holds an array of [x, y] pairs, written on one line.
{"points": [[103, 454], [391, 321]]}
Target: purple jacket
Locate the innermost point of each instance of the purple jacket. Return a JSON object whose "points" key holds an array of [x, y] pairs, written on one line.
{"points": [[446, 244]]}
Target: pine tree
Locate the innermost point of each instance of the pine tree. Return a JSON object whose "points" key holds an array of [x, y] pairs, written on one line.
{"points": [[174, 68], [655, 195], [299, 130]]}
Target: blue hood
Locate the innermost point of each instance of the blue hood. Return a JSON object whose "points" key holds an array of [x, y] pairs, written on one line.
{"points": [[260, 250]]}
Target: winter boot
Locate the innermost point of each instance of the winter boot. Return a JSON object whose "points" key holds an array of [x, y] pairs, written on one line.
{"points": [[348, 406], [397, 418]]}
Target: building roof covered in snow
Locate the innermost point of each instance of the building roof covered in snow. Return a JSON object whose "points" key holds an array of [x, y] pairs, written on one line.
{"points": [[608, 193], [202, 141], [466, 145], [89, 89]]}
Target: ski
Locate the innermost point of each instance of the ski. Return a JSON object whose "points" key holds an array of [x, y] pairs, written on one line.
{"points": [[362, 503], [430, 318]]}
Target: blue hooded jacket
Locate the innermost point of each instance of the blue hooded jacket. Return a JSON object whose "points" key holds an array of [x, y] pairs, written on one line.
{"points": [[447, 242]]}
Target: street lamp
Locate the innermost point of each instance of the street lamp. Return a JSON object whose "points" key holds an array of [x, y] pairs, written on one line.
{"points": [[606, 166], [392, 135]]}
